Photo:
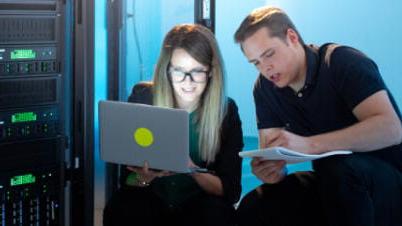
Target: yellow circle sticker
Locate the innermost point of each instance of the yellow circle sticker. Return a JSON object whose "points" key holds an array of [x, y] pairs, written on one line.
{"points": [[143, 137]]}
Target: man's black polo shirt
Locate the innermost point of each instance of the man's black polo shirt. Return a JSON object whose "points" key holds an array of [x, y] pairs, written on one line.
{"points": [[333, 87]]}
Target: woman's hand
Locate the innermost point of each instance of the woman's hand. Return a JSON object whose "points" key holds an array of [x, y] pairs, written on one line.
{"points": [[191, 164], [145, 175], [207, 181]]}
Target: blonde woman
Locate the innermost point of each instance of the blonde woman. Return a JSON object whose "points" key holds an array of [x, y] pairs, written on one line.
{"points": [[189, 75]]}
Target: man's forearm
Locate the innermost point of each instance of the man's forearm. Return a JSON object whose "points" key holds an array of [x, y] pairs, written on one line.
{"points": [[371, 134]]}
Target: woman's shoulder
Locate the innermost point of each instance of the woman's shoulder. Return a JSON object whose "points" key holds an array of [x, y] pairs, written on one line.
{"points": [[231, 104], [231, 109], [141, 93], [231, 122], [145, 86]]}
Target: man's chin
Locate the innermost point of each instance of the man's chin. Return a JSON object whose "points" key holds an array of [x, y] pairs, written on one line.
{"points": [[279, 85]]}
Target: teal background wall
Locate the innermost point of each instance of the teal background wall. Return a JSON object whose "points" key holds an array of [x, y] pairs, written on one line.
{"points": [[100, 79], [144, 33], [371, 26]]}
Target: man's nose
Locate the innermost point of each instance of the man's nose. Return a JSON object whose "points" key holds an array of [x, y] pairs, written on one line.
{"points": [[266, 66]]}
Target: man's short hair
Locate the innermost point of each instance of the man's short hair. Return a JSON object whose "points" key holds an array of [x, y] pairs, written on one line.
{"points": [[275, 19]]}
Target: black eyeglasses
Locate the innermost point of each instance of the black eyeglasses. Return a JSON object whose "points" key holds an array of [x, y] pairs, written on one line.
{"points": [[197, 76]]}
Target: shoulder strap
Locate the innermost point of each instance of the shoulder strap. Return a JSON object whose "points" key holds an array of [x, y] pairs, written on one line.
{"points": [[327, 50]]}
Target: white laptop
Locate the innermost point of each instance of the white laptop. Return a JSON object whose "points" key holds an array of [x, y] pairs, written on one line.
{"points": [[131, 134]]}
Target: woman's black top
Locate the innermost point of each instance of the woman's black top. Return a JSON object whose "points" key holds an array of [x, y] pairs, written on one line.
{"points": [[227, 164]]}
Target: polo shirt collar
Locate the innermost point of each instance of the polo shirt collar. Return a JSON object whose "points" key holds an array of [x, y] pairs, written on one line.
{"points": [[312, 60], [312, 64]]}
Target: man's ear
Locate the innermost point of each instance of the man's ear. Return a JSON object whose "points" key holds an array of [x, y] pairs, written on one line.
{"points": [[292, 36]]}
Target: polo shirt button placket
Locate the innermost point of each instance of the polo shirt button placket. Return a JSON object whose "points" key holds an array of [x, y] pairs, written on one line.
{"points": [[300, 94]]}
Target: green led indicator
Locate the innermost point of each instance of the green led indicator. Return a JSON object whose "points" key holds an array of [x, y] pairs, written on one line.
{"points": [[23, 117], [22, 179], [22, 54]]}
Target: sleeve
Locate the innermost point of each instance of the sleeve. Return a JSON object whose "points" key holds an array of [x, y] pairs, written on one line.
{"points": [[265, 105], [228, 164], [356, 76]]}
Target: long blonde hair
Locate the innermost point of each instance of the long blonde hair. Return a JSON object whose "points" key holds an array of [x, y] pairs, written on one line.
{"points": [[200, 43]]}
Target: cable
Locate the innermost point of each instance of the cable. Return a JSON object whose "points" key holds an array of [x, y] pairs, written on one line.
{"points": [[136, 40]]}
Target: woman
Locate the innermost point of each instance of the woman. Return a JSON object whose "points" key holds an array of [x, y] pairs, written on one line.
{"points": [[189, 75]]}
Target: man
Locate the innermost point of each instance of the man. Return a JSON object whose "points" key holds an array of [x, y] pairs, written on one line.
{"points": [[314, 100]]}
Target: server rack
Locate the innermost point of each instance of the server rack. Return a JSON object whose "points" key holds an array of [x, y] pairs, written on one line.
{"points": [[32, 139], [43, 179]]}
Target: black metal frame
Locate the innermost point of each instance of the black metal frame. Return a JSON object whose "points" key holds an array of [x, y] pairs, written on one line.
{"points": [[199, 18], [114, 24], [82, 160]]}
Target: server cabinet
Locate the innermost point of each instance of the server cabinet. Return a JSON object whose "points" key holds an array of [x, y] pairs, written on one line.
{"points": [[38, 176]]}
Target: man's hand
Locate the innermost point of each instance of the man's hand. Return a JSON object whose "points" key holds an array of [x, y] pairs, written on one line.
{"points": [[276, 137], [273, 171], [269, 171]]}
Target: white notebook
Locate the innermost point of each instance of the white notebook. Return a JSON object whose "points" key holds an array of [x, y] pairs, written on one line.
{"points": [[290, 156]]}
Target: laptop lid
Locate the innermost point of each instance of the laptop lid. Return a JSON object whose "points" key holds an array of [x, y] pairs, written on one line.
{"points": [[132, 133]]}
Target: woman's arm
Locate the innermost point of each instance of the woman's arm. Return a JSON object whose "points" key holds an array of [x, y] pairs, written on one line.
{"points": [[227, 166], [209, 183]]}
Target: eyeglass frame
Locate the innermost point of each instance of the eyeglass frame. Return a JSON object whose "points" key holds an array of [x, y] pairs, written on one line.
{"points": [[187, 73]]}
